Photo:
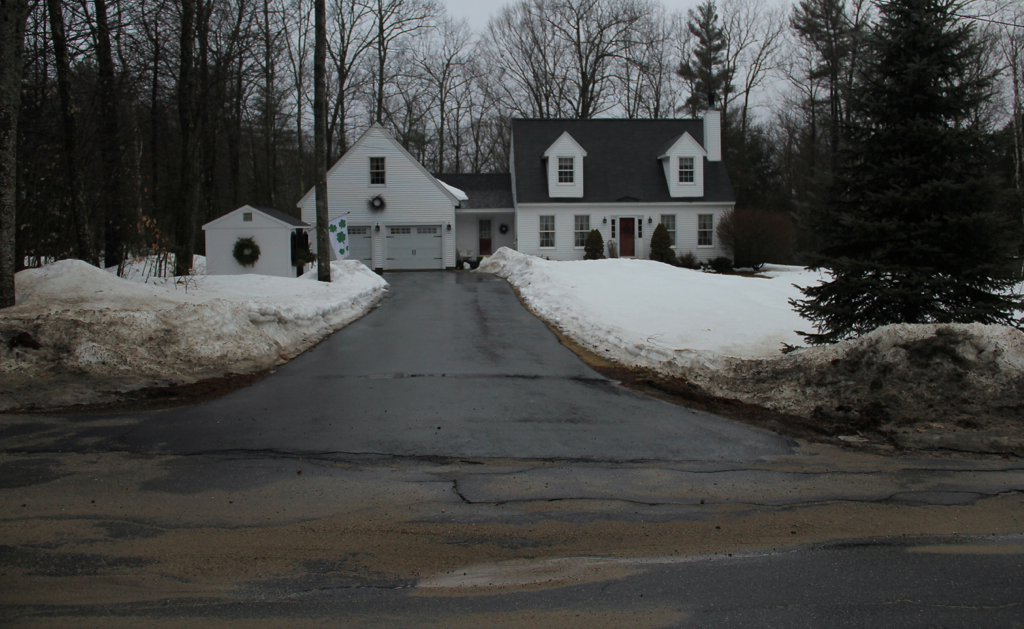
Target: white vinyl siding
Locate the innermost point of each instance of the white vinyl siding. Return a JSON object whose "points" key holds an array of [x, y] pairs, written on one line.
{"points": [[412, 197], [705, 230], [582, 228], [565, 222], [547, 231], [669, 221], [564, 182]]}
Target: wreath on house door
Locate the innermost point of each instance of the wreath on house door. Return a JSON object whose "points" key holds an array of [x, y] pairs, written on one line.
{"points": [[503, 229], [246, 251]]}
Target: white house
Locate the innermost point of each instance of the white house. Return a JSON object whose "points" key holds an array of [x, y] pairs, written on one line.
{"points": [[271, 230], [400, 216], [622, 177]]}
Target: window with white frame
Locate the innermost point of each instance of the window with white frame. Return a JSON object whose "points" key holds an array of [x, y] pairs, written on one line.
{"points": [[686, 170], [669, 222], [705, 230], [582, 228], [377, 171], [566, 170], [547, 231]]}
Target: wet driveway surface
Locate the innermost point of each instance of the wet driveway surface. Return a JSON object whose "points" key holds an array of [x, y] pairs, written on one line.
{"points": [[450, 365]]}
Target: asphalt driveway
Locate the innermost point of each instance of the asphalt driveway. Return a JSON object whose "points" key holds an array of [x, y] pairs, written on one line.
{"points": [[450, 365]]}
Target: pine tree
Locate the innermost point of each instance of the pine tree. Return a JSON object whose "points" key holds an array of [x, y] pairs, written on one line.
{"points": [[710, 81], [593, 247], [914, 233], [661, 246]]}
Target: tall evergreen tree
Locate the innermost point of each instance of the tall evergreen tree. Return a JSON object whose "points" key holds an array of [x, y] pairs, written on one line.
{"points": [[914, 234], [709, 78]]}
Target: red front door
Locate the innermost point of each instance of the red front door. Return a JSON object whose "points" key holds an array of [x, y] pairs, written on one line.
{"points": [[485, 236], [627, 242]]}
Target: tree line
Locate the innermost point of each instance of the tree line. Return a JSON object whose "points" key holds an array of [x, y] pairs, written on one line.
{"points": [[140, 120]]}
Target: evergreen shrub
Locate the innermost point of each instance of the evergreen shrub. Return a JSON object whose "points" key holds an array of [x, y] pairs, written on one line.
{"points": [[593, 248], [661, 246], [721, 264]]}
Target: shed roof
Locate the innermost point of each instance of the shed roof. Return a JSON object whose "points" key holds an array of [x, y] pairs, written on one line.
{"points": [[622, 160], [279, 215]]}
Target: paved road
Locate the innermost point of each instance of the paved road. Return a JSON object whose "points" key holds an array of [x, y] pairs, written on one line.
{"points": [[450, 365], [445, 462]]}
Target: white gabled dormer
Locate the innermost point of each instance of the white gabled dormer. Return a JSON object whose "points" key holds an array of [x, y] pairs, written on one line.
{"points": [[565, 167], [683, 162]]}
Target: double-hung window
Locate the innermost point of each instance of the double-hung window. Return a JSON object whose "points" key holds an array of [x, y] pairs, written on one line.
{"points": [[377, 171], [705, 230], [669, 222], [547, 231], [686, 170], [582, 228], [566, 170]]}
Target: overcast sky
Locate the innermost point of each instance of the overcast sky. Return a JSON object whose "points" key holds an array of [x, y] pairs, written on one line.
{"points": [[479, 11]]}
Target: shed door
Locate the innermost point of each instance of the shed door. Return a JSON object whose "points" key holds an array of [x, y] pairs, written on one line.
{"points": [[414, 247], [360, 240]]}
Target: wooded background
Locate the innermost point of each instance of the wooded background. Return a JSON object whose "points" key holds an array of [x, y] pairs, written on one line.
{"points": [[141, 120]]}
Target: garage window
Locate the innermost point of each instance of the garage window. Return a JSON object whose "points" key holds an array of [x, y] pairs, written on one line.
{"points": [[377, 171], [358, 231], [426, 230], [400, 230]]}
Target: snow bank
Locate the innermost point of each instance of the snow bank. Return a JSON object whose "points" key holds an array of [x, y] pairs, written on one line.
{"points": [[644, 312], [88, 321]]}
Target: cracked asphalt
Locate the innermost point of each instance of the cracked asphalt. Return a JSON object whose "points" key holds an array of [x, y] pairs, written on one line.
{"points": [[445, 462]]}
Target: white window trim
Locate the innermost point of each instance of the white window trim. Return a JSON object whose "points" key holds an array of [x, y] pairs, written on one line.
{"points": [[679, 170], [558, 170], [369, 172], [712, 245], [553, 230], [575, 231]]}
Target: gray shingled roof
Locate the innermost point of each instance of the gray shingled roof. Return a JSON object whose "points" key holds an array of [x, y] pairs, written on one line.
{"points": [[279, 215], [621, 163], [485, 191]]}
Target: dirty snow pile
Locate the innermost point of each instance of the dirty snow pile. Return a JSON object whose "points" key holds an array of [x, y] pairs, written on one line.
{"points": [[72, 318], [723, 334]]}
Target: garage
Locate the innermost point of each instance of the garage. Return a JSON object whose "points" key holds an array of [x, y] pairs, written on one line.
{"points": [[360, 241], [414, 247]]}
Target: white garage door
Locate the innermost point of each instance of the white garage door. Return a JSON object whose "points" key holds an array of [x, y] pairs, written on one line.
{"points": [[414, 248], [360, 239]]}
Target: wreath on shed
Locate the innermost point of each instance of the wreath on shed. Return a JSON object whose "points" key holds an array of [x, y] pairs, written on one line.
{"points": [[246, 251], [503, 229]]}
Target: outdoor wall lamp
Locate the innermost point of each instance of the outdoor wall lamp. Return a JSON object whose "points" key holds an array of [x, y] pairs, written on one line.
{"points": [[376, 227], [605, 221], [649, 220], [449, 226]]}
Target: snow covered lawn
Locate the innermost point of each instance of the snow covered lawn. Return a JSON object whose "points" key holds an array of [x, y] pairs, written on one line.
{"points": [[644, 312], [90, 322]]}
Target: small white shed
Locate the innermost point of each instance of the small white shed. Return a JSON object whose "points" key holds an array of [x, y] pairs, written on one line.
{"points": [[271, 230]]}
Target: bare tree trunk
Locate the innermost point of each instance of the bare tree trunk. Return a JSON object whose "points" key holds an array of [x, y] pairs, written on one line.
{"points": [[189, 197], [12, 43], [111, 201], [323, 247], [74, 190]]}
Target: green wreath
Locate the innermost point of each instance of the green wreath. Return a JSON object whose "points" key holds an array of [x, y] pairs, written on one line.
{"points": [[246, 251]]}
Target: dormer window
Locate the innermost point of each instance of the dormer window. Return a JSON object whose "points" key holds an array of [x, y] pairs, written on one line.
{"points": [[563, 165], [566, 170], [377, 171], [686, 170]]}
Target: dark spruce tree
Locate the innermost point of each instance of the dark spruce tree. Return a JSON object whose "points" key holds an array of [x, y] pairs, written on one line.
{"points": [[913, 232], [661, 246]]}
